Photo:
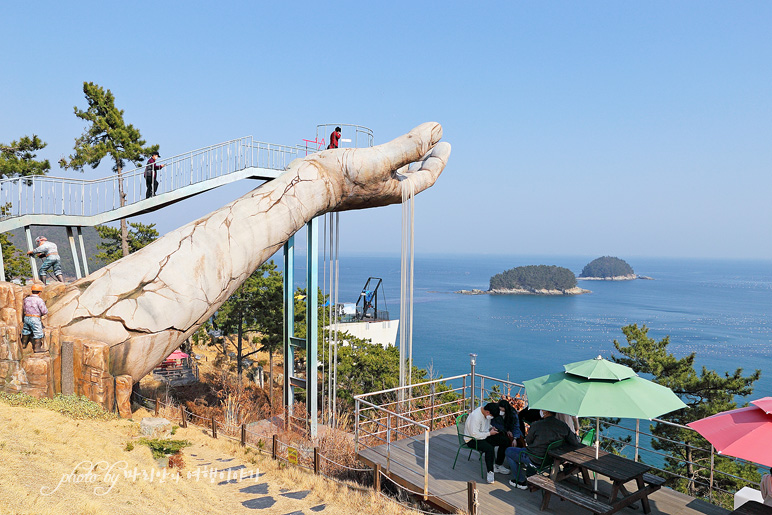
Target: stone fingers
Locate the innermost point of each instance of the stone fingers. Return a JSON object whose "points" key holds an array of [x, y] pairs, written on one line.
{"points": [[421, 174]]}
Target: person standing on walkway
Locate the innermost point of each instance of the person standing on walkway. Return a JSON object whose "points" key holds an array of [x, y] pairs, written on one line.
{"points": [[334, 138], [32, 328], [481, 436], [48, 251], [151, 174]]}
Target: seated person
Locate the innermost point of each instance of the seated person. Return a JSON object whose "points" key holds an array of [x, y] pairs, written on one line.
{"points": [[508, 422], [766, 488], [527, 416], [571, 421], [484, 438], [540, 435]]}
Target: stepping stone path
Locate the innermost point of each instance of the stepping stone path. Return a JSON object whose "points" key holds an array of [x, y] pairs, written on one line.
{"points": [[249, 494]]}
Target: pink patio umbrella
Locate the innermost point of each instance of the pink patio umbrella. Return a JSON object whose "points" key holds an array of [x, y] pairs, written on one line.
{"points": [[744, 433]]}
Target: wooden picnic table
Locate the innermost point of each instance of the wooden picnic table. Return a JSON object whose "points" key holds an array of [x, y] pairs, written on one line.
{"points": [[753, 508], [618, 469]]}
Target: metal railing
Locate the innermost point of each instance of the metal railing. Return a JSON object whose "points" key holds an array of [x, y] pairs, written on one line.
{"points": [[360, 136], [44, 195], [382, 419], [360, 316], [705, 477]]}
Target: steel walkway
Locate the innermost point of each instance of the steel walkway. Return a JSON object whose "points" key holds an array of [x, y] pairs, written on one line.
{"points": [[75, 203], [44, 200]]}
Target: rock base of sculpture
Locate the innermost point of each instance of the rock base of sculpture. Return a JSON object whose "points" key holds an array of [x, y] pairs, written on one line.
{"points": [[83, 371]]}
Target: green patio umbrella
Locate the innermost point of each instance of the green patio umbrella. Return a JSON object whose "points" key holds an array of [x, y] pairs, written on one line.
{"points": [[599, 368], [600, 388], [633, 397]]}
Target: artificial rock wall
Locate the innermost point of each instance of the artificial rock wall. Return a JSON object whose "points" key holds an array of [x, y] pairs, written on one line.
{"points": [[70, 366]]}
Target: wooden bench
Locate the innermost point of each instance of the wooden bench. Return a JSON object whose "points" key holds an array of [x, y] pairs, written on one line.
{"points": [[651, 479], [549, 487]]}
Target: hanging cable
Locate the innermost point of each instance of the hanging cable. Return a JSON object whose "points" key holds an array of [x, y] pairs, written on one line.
{"points": [[331, 367], [324, 293], [335, 322], [406, 286]]}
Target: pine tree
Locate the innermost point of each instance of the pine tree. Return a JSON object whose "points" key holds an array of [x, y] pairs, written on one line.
{"points": [[256, 306], [108, 134], [139, 236], [19, 159], [706, 393]]}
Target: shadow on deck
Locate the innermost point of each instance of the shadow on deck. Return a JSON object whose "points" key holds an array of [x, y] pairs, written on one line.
{"points": [[448, 486]]}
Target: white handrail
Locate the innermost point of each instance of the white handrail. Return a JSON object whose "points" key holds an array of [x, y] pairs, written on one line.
{"points": [[46, 195]]}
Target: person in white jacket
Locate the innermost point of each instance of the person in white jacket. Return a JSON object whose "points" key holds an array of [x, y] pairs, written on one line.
{"points": [[48, 251], [481, 436]]}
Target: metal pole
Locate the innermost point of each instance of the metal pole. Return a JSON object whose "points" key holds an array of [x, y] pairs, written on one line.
{"points": [[356, 426], [2, 265], [289, 325], [426, 463], [710, 490], [388, 442], [637, 435], [431, 414], [463, 395], [472, 362], [32, 263], [74, 250], [82, 250], [312, 323]]}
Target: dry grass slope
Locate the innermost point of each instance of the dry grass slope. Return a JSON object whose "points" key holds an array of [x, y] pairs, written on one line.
{"points": [[39, 447]]}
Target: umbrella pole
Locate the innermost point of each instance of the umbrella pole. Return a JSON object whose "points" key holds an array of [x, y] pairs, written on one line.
{"points": [[597, 452]]}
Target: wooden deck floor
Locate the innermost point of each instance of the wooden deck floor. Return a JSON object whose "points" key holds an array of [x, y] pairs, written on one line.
{"points": [[450, 485]]}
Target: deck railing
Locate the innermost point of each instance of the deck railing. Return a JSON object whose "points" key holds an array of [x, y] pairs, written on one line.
{"points": [[382, 419]]}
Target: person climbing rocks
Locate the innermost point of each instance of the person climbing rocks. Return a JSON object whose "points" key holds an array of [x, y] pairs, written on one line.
{"points": [[34, 309], [151, 175], [50, 254], [334, 138]]}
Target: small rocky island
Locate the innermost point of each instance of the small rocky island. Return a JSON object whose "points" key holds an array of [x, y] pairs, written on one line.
{"points": [[608, 268], [532, 280]]}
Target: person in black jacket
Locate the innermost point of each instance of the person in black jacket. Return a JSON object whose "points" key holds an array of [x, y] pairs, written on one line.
{"points": [[507, 422], [540, 435], [151, 174]]}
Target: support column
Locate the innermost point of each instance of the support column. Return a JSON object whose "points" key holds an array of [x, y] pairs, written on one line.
{"points": [[289, 324], [312, 323], [82, 250], [2, 265], [71, 240], [32, 263]]}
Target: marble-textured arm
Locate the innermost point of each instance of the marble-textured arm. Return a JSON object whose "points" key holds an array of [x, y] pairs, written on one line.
{"points": [[146, 304]]}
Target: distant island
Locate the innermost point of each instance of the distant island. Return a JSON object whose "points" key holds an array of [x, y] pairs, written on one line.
{"points": [[532, 280], [608, 268]]}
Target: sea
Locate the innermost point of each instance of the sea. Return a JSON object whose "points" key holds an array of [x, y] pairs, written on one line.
{"points": [[719, 310]]}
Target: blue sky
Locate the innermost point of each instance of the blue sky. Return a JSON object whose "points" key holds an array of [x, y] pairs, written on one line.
{"points": [[578, 128]]}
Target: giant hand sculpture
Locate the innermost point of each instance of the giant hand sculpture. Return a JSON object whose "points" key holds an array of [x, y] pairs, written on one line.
{"points": [[146, 304]]}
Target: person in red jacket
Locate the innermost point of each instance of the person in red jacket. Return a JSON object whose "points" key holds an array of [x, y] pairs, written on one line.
{"points": [[334, 138]]}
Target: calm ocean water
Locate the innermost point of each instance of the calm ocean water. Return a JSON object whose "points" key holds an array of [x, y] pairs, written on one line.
{"points": [[719, 309]]}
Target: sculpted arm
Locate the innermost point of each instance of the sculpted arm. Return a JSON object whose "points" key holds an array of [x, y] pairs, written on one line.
{"points": [[146, 304]]}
